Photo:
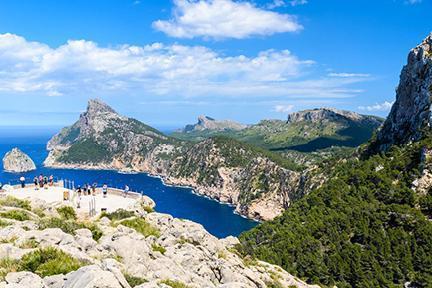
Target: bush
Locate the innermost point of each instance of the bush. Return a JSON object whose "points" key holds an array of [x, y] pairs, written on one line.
{"points": [[69, 226], [158, 248], [49, 261], [11, 201], [174, 284], [141, 226], [119, 214], [8, 265], [134, 281], [18, 215], [67, 212]]}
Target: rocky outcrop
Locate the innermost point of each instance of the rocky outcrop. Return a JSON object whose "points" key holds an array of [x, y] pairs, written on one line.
{"points": [[208, 123], [17, 161], [330, 114], [180, 252], [410, 115]]}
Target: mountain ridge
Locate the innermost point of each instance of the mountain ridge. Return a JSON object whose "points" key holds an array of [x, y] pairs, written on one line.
{"points": [[220, 168]]}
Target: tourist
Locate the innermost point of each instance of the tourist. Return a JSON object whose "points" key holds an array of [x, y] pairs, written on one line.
{"points": [[35, 182], [126, 191], [1, 186], [105, 190], [79, 191], [51, 180], [45, 182], [94, 188], [41, 181], [22, 180]]}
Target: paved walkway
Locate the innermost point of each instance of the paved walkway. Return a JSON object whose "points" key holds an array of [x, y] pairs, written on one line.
{"points": [[111, 203]]}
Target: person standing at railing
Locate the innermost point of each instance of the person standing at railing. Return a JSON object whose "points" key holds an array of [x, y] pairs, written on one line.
{"points": [[105, 190], [51, 180], [22, 181], [41, 181], [35, 182], [45, 182], [126, 191]]}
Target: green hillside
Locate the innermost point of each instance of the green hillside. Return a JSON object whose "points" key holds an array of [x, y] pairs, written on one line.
{"points": [[302, 136], [365, 227]]}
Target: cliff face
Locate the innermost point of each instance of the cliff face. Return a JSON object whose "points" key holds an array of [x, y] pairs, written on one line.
{"points": [[221, 168], [411, 112], [235, 173], [17, 161]]}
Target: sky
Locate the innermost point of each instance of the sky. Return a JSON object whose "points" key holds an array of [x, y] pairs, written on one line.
{"points": [[165, 62]]}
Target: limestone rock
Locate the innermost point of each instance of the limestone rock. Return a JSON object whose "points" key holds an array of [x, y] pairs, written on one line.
{"points": [[17, 161], [411, 112], [24, 279], [92, 277]]}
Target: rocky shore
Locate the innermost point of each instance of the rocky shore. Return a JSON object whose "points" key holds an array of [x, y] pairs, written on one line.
{"points": [[134, 247]]}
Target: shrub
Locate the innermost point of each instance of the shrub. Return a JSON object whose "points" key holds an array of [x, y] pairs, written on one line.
{"points": [[141, 226], [119, 214], [174, 283], [49, 261], [29, 243], [158, 248], [148, 209], [8, 265], [69, 226], [96, 231], [11, 201], [16, 215], [134, 281], [67, 212]]}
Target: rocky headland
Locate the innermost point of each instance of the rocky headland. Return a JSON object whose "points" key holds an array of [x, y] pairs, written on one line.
{"points": [[260, 184], [17, 161]]}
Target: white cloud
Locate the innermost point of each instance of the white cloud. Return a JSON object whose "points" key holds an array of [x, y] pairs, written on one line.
{"points": [[283, 3], [385, 106], [171, 72], [348, 75], [219, 19], [283, 108]]}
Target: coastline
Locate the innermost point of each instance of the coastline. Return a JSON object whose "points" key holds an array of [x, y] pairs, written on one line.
{"points": [[164, 180]]}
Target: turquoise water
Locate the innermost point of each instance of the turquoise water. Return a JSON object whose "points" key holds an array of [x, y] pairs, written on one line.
{"points": [[217, 218]]}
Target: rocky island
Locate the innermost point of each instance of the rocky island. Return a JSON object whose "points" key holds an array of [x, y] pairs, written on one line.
{"points": [[50, 245], [17, 161]]}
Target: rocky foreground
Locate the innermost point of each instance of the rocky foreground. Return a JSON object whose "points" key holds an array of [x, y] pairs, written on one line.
{"points": [[17, 161], [47, 246]]}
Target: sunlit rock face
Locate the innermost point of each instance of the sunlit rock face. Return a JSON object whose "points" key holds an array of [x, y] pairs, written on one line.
{"points": [[411, 112]]}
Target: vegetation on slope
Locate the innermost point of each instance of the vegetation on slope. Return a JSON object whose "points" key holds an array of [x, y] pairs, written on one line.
{"points": [[363, 228], [304, 136]]}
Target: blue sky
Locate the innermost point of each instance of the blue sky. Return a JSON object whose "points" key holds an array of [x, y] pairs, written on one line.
{"points": [[166, 62]]}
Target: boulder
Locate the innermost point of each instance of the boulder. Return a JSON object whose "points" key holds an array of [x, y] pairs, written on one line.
{"points": [[92, 277], [24, 279]]}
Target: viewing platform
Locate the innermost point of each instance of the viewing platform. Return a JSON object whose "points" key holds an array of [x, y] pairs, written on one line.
{"points": [[86, 205]]}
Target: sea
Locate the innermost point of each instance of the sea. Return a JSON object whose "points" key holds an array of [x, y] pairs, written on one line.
{"points": [[218, 219]]}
